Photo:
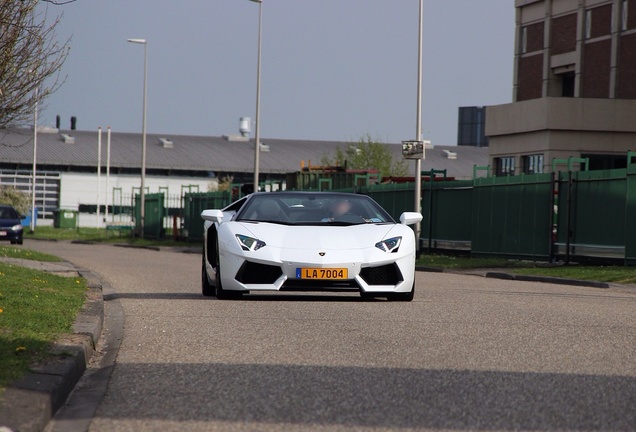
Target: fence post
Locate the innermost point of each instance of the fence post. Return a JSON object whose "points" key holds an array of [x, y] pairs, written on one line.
{"points": [[568, 221], [553, 223]]}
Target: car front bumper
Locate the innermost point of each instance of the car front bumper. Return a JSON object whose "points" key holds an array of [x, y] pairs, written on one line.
{"points": [[271, 269], [12, 235]]}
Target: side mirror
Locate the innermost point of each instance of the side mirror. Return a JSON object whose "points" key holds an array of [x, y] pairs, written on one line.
{"points": [[410, 218], [215, 216]]}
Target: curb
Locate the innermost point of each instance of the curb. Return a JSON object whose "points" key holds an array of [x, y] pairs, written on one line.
{"points": [[547, 279], [29, 403]]}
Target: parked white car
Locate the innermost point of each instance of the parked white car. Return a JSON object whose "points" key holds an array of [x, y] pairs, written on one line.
{"points": [[308, 241]]}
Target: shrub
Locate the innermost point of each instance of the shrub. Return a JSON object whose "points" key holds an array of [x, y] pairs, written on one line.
{"points": [[13, 197]]}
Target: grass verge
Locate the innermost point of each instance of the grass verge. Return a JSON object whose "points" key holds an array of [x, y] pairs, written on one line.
{"points": [[612, 274], [35, 308], [98, 235], [15, 252], [465, 262]]}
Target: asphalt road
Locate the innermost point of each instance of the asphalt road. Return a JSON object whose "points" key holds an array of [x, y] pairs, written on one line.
{"points": [[469, 353]]}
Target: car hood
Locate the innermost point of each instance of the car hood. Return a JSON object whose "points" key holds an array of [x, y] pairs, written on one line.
{"points": [[319, 237], [8, 223]]}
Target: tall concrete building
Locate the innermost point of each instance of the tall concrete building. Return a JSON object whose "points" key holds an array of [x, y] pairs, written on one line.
{"points": [[574, 87], [471, 130]]}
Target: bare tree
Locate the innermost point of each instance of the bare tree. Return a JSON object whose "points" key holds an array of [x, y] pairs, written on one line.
{"points": [[30, 59]]}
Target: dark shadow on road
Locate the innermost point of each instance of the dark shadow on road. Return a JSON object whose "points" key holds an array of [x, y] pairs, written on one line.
{"points": [[154, 296], [372, 397], [282, 297]]}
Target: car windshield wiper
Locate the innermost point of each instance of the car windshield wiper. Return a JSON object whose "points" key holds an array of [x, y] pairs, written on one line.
{"points": [[341, 223], [280, 222]]}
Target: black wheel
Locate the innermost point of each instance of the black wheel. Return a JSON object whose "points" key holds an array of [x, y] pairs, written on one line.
{"points": [[207, 289], [222, 294], [20, 241], [405, 297]]}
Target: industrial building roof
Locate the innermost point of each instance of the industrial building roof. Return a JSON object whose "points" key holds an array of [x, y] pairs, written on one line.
{"points": [[68, 149]]}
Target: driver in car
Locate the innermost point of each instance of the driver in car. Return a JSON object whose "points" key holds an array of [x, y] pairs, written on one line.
{"points": [[338, 208]]}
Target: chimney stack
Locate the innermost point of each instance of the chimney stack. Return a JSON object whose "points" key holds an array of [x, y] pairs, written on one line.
{"points": [[73, 122]]}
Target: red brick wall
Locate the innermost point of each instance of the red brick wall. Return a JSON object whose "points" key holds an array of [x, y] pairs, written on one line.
{"points": [[563, 38], [535, 37], [626, 85], [601, 21], [530, 77], [595, 80], [631, 14]]}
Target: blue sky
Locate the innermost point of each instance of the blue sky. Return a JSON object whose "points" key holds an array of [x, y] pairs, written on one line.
{"points": [[331, 69]]}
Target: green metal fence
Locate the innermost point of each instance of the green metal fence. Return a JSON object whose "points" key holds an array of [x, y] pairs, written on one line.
{"points": [[153, 215], [591, 213], [512, 216], [395, 198], [630, 214], [194, 204], [538, 216], [446, 210]]}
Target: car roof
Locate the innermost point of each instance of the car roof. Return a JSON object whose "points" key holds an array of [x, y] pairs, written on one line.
{"points": [[307, 193]]}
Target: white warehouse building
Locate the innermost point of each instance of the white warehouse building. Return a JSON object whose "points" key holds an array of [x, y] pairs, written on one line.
{"points": [[67, 160]]}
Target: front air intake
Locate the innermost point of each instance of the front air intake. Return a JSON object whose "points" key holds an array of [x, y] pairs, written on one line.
{"points": [[254, 273], [384, 275]]}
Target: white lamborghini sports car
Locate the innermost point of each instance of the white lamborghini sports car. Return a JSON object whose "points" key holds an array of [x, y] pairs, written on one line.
{"points": [[308, 241]]}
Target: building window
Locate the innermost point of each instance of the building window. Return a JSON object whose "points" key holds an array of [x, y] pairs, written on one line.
{"points": [[524, 40], [568, 81], [505, 166], [624, 15], [533, 164], [588, 24]]}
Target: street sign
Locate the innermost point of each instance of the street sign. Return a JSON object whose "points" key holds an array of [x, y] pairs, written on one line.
{"points": [[413, 149]]}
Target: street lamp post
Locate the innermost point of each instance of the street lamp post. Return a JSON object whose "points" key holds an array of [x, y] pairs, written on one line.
{"points": [[418, 128], [35, 158], [142, 193], [257, 134]]}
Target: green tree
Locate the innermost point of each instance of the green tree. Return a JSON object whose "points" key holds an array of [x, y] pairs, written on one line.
{"points": [[366, 154], [18, 199]]}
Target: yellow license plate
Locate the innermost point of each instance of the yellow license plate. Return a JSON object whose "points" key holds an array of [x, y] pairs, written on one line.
{"points": [[322, 273]]}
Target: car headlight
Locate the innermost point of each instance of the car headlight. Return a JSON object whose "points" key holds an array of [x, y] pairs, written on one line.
{"points": [[389, 245], [17, 227], [249, 243]]}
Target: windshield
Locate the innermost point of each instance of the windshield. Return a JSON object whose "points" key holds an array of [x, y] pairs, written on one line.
{"points": [[8, 213], [307, 208]]}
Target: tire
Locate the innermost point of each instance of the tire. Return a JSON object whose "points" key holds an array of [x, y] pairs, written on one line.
{"points": [[403, 297], [207, 289], [222, 294]]}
